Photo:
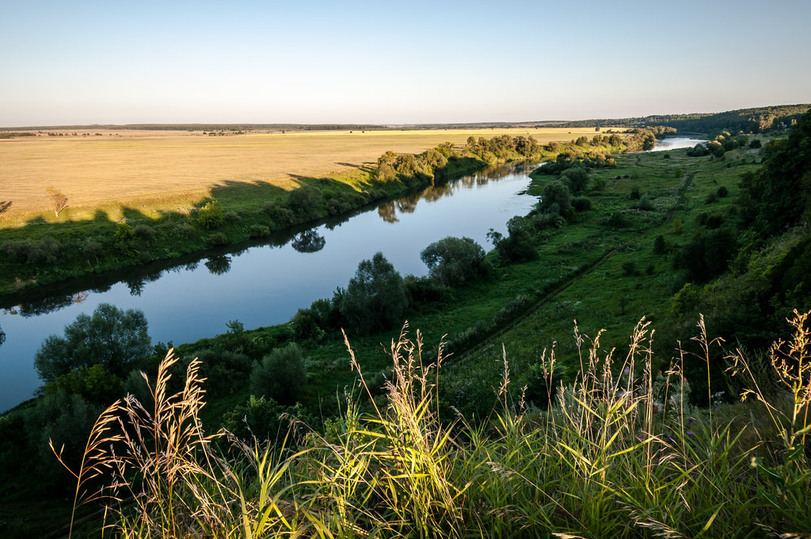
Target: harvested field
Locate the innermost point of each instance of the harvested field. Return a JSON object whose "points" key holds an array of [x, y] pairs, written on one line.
{"points": [[166, 170]]}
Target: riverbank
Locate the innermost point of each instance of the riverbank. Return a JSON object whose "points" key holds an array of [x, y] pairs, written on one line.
{"points": [[43, 253]]}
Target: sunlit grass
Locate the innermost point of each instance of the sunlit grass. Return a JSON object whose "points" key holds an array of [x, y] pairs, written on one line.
{"points": [[618, 452]]}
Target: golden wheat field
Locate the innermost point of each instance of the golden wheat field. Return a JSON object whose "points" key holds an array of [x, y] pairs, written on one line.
{"points": [[165, 170]]}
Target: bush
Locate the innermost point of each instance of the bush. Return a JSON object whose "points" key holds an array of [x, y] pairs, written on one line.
{"points": [[226, 372], [454, 261], [375, 297], [281, 375], [707, 255], [259, 231], [722, 192], [34, 252], [92, 249], [644, 203], [94, 384], [211, 216], [282, 217], [424, 290], [699, 150], [305, 325], [616, 220], [307, 202], [581, 204], [556, 199], [266, 420], [144, 232], [519, 246], [659, 245], [218, 239], [576, 178]]}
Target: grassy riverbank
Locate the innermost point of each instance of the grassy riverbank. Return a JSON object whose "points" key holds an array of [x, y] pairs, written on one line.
{"points": [[138, 198]]}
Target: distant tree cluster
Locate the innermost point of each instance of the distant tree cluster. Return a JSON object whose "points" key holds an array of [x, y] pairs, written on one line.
{"points": [[754, 120]]}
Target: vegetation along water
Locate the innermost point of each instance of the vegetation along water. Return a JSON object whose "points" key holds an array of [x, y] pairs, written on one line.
{"points": [[523, 421]]}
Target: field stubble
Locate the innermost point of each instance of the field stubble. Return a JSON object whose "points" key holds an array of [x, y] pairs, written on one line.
{"points": [[166, 171]]}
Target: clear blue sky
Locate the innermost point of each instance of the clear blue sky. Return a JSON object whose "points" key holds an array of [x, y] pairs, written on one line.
{"points": [[83, 62]]}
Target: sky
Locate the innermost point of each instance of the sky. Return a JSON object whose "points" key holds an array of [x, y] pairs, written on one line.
{"points": [[120, 62]]}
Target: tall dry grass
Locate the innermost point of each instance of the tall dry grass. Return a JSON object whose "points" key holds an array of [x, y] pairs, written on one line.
{"points": [[620, 452]]}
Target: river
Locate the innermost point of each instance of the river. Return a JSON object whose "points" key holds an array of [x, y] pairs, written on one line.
{"points": [[266, 284]]}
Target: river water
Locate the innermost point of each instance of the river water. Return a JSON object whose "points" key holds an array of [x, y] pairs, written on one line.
{"points": [[266, 284]]}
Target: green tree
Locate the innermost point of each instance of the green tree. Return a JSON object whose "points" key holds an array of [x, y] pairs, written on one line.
{"points": [[519, 245], [453, 261], [111, 337], [778, 195], [94, 383], [266, 420], [556, 199], [281, 375], [375, 297], [307, 202], [576, 178]]}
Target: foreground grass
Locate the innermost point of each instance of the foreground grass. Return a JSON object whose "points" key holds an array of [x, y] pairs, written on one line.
{"points": [[613, 454]]}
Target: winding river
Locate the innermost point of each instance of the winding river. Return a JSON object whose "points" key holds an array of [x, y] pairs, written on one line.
{"points": [[265, 284]]}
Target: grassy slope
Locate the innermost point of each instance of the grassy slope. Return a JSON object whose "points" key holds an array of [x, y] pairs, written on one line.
{"points": [[603, 297]]}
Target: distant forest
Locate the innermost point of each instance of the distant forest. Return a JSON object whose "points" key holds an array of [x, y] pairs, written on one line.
{"points": [[754, 120]]}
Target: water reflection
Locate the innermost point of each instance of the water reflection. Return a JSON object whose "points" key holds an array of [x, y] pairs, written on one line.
{"points": [[308, 241], [218, 264], [388, 211], [47, 304], [136, 286]]}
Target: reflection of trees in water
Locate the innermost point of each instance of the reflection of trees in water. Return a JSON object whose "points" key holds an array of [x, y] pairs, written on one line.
{"points": [[387, 212], [219, 264], [2, 336], [136, 286], [436, 192], [408, 204], [47, 305], [308, 241]]}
